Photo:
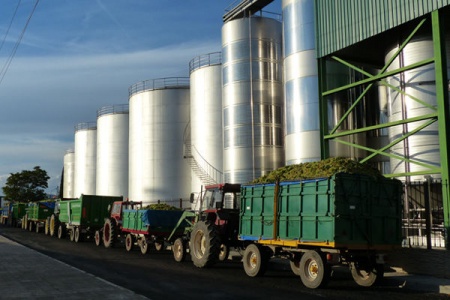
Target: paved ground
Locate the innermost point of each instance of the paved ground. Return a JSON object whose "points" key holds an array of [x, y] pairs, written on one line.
{"points": [[52, 279]]}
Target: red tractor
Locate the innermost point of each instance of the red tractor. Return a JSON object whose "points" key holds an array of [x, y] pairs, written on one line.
{"points": [[112, 228], [216, 227]]}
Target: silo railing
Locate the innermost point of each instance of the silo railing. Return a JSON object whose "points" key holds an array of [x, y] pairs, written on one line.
{"points": [[159, 84], [210, 59], [86, 126], [113, 109]]}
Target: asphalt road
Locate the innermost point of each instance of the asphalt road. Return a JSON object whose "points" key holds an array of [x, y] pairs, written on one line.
{"points": [[157, 276]]}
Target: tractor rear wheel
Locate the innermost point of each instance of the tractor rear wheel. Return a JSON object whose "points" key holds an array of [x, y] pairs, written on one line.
{"points": [[205, 244], [109, 233]]}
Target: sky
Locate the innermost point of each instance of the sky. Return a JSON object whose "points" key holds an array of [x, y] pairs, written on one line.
{"points": [[77, 56]]}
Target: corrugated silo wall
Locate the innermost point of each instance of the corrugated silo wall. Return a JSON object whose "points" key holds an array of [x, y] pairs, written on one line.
{"points": [[252, 98], [301, 90], [85, 159], [159, 113], [206, 120], [69, 173], [112, 150]]}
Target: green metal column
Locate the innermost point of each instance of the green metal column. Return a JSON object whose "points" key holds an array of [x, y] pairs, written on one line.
{"points": [[442, 90]]}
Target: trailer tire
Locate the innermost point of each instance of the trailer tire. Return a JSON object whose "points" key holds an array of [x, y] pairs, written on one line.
{"points": [[366, 276], [224, 252], [143, 244], [47, 226], [255, 260], [30, 225], [129, 242], [179, 250], [159, 245], [78, 237], [54, 225], [109, 231], [25, 222], [295, 264], [97, 238], [314, 272], [205, 244], [61, 231]]}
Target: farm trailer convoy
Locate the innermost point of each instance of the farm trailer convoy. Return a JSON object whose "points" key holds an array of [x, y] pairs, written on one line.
{"points": [[81, 217]]}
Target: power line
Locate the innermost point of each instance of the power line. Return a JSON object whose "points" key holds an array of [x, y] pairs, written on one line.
{"points": [[9, 27], [16, 46]]}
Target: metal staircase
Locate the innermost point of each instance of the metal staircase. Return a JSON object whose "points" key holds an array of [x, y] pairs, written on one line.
{"points": [[207, 173], [244, 9]]}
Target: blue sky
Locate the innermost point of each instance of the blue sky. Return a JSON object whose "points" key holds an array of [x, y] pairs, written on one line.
{"points": [[77, 56]]}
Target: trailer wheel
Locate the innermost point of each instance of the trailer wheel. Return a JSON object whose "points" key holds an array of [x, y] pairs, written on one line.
{"points": [[78, 238], [25, 222], [129, 242], [61, 231], [71, 234], [366, 276], [144, 245], [295, 264], [314, 272], [97, 238], [54, 225], [179, 250], [109, 231], [159, 245], [38, 229], [30, 225], [224, 252], [205, 244], [255, 260]]}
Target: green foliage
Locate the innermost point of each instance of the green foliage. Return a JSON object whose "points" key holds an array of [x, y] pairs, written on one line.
{"points": [[318, 169], [161, 206], [26, 186]]}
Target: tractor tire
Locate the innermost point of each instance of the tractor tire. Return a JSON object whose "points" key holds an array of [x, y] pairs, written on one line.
{"points": [[179, 250], [97, 238], [54, 225], [129, 242], [314, 270], [109, 233], [204, 244]]}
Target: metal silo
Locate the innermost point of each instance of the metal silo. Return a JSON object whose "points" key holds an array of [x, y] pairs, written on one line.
{"points": [[159, 114], [301, 91], [69, 173], [112, 150], [252, 98], [205, 150], [85, 158], [418, 83]]}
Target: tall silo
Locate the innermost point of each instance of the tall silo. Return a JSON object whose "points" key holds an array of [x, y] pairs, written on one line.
{"points": [[301, 90], [252, 98], [85, 158], [418, 83], [112, 150], [205, 150], [159, 114], [69, 173]]}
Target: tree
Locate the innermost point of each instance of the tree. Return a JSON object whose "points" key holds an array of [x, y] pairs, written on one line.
{"points": [[26, 186]]}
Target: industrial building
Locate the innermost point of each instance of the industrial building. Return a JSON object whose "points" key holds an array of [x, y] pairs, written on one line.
{"points": [[364, 79]]}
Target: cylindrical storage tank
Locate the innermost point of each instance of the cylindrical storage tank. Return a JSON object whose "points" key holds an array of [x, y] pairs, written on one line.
{"points": [[112, 150], [206, 149], [301, 90], [85, 158], [159, 114], [252, 98], [417, 83], [69, 173]]}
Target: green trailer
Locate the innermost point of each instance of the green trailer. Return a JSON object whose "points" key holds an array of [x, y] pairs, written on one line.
{"points": [[36, 214], [18, 212], [344, 219], [81, 217]]}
